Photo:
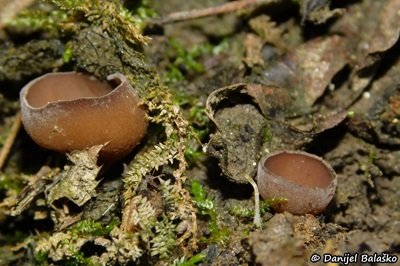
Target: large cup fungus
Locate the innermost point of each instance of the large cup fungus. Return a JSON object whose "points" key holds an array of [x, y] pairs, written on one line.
{"points": [[72, 111], [307, 182]]}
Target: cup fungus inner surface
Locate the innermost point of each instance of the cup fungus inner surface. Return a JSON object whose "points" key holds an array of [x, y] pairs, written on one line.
{"points": [[73, 111], [65, 87], [300, 169]]}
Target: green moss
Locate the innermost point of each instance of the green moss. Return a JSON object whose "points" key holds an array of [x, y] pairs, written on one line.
{"points": [[79, 259], [350, 114], [164, 241], [199, 120], [199, 125], [193, 155], [195, 112], [68, 53], [142, 10], [188, 60], [206, 207], [187, 57], [245, 212], [104, 39], [368, 167], [241, 211], [90, 227], [110, 15], [371, 156], [7, 183], [41, 258], [192, 261], [267, 135], [30, 21]]}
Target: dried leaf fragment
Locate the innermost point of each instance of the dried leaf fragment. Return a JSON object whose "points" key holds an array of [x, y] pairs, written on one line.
{"points": [[316, 62], [77, 182]]}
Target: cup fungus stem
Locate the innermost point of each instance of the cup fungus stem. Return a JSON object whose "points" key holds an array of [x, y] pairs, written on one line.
{"points": [[257, 216]]}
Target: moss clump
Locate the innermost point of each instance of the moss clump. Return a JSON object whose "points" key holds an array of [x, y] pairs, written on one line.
{"points": [[206, 207], [102, 37], [199, 125], [41, 258], [8, 183], [188, 61], [90, 227], [36, 20], [245, 212], [192, 261]]}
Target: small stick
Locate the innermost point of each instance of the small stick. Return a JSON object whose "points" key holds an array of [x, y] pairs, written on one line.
{"points": [[211, 11], [10, 139]]}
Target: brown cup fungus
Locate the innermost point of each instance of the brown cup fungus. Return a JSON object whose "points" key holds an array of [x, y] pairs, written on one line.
{"points": [[72, 111], [307, 182]]}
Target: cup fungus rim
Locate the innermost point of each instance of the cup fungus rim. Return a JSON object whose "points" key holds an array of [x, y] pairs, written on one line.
{"points": [[285, 182], [81, 100]]}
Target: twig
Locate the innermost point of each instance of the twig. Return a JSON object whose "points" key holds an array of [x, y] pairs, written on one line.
{"points": [[10, 139], [211, 11]]}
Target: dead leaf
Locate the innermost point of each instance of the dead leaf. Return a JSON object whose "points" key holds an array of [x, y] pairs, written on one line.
{"points": [[307, 71], [77, 182], [371, 28]]}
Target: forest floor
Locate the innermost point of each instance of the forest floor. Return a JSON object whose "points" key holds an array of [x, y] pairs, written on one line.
{"points": [[222, 91]]}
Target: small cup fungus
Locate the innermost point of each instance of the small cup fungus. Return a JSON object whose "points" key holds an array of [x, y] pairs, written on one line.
{"points": [[72, 111], [307, 182]]}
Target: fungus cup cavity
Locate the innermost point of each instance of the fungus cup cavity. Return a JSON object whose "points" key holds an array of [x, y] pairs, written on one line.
{"points": [[307, 182], [72, 111]]}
